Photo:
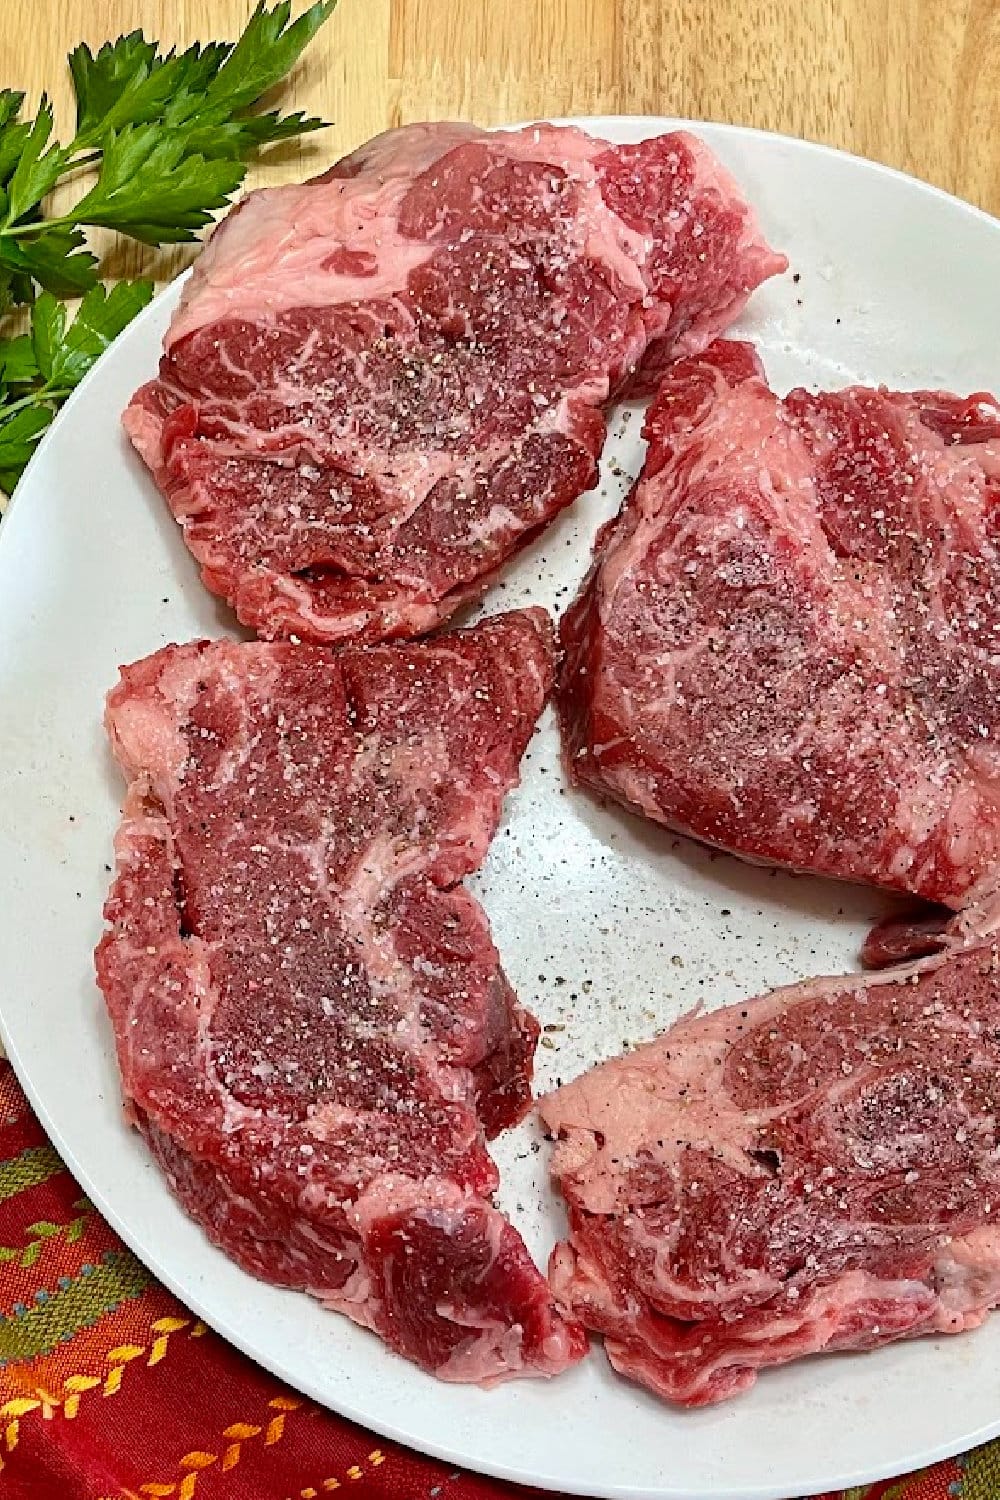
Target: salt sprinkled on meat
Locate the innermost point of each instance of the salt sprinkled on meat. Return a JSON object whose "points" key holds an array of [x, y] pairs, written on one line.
{"points": [[382, 383], [313, 1029], [814, 1170], [790, 643]]}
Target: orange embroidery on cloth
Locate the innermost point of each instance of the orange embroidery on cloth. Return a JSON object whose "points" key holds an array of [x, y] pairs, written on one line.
{"points": [[15, 1410], [238, 1434], [327, 1486], [116, 1359], [77, 1385], [276, 1427], [163, 1328]]}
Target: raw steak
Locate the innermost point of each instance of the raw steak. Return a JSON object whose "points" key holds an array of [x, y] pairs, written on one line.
{"points": [[790, 642], [902, 936], [816, 1169], [312, 1025], [381, 383]]}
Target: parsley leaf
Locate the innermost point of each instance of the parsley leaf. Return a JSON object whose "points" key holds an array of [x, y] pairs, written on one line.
{"points": [[51, 361], [13, 133], [169, 134], [201, 90], [10, 106], [128, 84], [37, 170], [19, 436], [102, 82], [238, 138], [54, 257], [150, 188], [48, 328], [268, 49], [18, 365], [100, 318]]}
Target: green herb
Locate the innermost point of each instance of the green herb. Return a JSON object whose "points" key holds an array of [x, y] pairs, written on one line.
{"points": [[162, 141], [40, 369]]}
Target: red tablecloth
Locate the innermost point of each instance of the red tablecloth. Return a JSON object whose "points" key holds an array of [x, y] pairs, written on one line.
{"points": [[109, 1388]]}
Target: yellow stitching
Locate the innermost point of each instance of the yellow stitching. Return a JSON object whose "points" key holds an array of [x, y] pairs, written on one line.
{"points": [[163, 1328], [194, 1462], [50, 1403], [118, 1359], [276, 1427], [16, 1409], [19, 1406], [356, 1471], [239, 1433], [77, 1385]]}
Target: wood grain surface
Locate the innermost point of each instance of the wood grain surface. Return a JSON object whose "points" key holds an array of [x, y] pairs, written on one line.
{"points": [[915, 83]]}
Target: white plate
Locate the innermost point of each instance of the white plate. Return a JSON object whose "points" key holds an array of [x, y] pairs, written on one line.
{"points": [[606, 925]]}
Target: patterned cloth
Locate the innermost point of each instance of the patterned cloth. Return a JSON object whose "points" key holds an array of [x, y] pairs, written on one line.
{"points": [[111, 1390]]}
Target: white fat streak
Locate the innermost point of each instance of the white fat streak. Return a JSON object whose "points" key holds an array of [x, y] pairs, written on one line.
{"points": [[146, 739], [386, 862], [967, 1280], [671, 1089], [269, 254], [292, 609], [145, 431], [355, 1299]]}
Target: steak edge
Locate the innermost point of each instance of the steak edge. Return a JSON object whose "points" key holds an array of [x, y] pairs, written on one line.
{"points": [[313, 1029], [813, 1170], [789, 644], [381, 383]]}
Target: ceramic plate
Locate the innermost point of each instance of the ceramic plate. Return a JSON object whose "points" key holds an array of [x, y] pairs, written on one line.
{"points": [[607, 927]]}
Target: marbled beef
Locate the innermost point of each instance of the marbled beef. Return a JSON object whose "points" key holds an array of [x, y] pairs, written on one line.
{"points": [[790, 643], [816, 1169], [314, 1032], [381, 383]]}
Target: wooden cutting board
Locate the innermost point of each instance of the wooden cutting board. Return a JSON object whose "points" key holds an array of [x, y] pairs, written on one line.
{"points": [[915, 83]]}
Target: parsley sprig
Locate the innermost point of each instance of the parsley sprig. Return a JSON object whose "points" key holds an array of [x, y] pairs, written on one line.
{"points": [[162, 142]]}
